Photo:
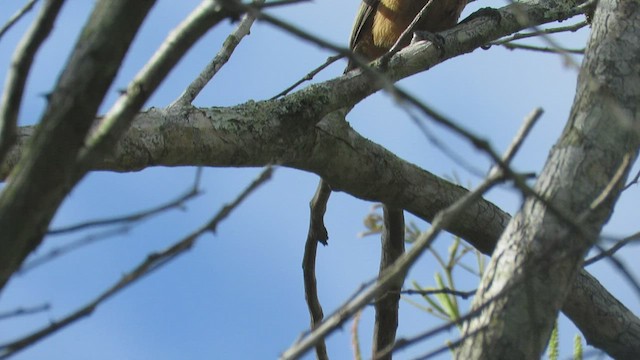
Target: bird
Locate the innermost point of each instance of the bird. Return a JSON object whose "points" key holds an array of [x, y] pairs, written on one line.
{"points": [[379, 23]]}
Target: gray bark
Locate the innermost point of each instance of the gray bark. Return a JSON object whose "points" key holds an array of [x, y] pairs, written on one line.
{"points": [[539, 254], [287, 132], [48, 168]]}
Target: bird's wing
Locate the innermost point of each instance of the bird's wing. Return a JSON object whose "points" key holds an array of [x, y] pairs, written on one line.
{"points": [[365, 14]]}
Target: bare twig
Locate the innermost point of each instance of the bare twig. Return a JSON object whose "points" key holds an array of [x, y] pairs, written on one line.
{"points": [[462, 294], [611, 251], [55, 253], [317, 233], [17, 16], [309, 76], [86, 78], [276, 3], [552, 50], [522, 134], [397, 46], [117, 120], [401, 266], [24, 311], [221, 58], [21, 62], [406, 342], [127, 223], [177, 203], [520, 36], [632, 182], [293, 30], [422, 243], [449, 346], [152, 262]]}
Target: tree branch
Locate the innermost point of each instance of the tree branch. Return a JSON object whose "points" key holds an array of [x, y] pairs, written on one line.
{"points": [[151, 263], [386, 303], [317, 234], [17, 16], [282, 131], [20, 66], [540, 253], [221, 58], [48, 170]]}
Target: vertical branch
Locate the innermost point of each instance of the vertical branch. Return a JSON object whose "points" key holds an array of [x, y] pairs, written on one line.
{"points": [[317, 233], [386, 304]]}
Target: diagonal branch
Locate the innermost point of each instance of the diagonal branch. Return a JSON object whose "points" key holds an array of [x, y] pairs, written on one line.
{"points": [[48, 170], [151, 263], [20, 66], [282, 131], [59, 155], [221, 58], [17, 16]]}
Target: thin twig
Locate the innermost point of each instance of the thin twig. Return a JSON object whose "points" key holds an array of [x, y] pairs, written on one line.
{"points": [[551, 50], [520, 36], [276, 3], [402, 265], [178, 202], [609, 252], [462, 294], [397, 46], [21, 62], [221, 58], [127, 222], [423, 242], [406, 342], [450, 346], [24, 311], [118, 119], [632, 182], [153, 262], [293, 30], [521, 135], [317, 233], [17, 16], [57, 252], [330, 60]]}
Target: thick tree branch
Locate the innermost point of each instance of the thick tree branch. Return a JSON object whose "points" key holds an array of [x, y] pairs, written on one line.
{"points": [[158, 138], [13, 91], [540, 254], [48, 169], [61, 153], [282, 131]]}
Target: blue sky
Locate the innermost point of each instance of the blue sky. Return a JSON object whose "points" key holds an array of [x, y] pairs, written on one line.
{"points": [[238, 294]]}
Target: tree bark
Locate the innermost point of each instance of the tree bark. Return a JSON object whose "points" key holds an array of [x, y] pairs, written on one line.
{"points": [[540, 252], [48, 169], [284, 131], [386, 305]]}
